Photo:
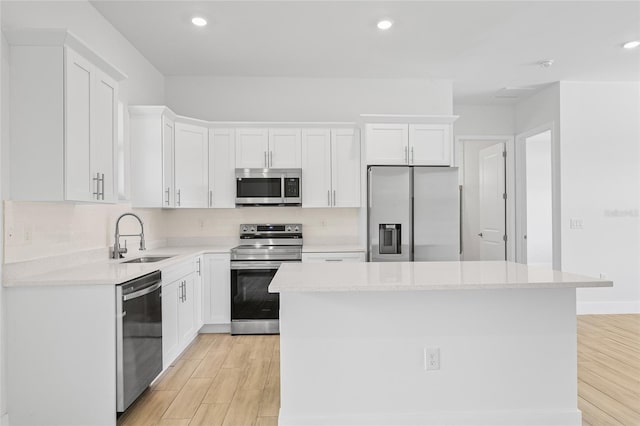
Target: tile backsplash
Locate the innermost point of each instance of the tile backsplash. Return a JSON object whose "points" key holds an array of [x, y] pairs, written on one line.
{"points": [[37, 230]]}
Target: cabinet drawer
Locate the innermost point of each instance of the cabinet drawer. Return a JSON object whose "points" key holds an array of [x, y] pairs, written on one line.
{"points": [[175, 272], [357, 256]]}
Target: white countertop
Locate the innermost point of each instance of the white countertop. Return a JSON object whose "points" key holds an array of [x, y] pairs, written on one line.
{"points": [[416, 276], [112, 272]]}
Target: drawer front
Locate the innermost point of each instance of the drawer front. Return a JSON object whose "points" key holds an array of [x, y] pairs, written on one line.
{"points": [[175, 272]]}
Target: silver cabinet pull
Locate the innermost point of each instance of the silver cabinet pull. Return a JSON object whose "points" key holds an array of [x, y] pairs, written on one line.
{"points": [[334, 198], [270, 158], [167, 192], [102, 181], [184, 288], [178, 198], [329, 198], [210, 198], [199, 272], [413, 158], [333, 260], [406, 154], [97, 181]]}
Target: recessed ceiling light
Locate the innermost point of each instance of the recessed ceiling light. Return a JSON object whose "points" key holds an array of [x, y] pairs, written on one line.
{"points": [[631, 44], [385, 24], [199, 21]]}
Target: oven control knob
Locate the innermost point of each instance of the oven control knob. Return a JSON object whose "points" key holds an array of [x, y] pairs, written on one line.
{"points": [[253, 229], [244, 229], [296, 229], [288, 228]]}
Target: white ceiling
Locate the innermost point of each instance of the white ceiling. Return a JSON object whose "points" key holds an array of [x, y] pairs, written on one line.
{"points": [[482, 46]]}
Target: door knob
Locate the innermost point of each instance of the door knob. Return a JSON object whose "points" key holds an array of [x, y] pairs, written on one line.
{"points": [[480, 235]]}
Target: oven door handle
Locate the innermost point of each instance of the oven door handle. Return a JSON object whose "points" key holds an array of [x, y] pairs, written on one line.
{"points": [[235, 266], [142, 292]]}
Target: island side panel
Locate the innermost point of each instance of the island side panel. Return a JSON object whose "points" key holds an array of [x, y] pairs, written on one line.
{"points": [[61, 358], [506, 357]]}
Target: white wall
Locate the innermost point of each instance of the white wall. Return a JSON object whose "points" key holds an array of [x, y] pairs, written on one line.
{"points": [[600, 132], [484, 120], [303, 99], [539, 208], [3, 135]]}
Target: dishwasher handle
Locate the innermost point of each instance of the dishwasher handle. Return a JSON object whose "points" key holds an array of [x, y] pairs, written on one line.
{"points": [[142, 292]]}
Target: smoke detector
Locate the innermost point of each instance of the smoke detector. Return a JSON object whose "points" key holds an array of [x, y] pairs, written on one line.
{"points": [[546, 63]]}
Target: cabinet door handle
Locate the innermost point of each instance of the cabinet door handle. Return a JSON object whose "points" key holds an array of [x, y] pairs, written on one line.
{"points": [[270, 158], [102, 182], [333, 260], [97, 181], [167, 192], [184, 288], [413, 158], [334, 198], [210, 198], [199, 273], [178, 198], [406, 154], [329, 197]]}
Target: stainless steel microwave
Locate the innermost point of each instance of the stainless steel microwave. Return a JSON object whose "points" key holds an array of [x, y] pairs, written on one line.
{"points": [[268, 187]]}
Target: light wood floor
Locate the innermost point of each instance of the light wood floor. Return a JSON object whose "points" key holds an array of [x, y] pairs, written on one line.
{"points": [[235, 380]]}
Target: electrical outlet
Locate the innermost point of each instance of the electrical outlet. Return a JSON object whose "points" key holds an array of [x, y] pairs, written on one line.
{"points": [[603, 276], [431, 358], [575, 223]]}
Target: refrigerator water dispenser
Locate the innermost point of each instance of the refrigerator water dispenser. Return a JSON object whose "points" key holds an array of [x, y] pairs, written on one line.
{"points": [[390, 238]]}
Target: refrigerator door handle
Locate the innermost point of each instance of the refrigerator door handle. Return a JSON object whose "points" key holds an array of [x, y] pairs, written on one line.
{"points": [[460, 218], [370, 188]]}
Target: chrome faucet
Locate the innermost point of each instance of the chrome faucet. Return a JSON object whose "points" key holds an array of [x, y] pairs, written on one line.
{"points": [[118, 251]]}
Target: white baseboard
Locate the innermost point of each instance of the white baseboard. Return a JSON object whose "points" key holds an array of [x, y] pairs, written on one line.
{"points": [[215, 328], [475, 418], [585, 308]]}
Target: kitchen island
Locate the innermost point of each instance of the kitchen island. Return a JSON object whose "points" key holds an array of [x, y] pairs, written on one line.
{"points": [[477, 343]]}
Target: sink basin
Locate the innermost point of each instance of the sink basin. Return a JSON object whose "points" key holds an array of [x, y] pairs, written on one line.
{"points": [[147, 259]]}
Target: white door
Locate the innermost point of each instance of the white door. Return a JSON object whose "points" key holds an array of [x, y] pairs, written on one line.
{"points": [[187, 309], [168, 188], [429, 144], [171, 294], [316, 168], [217, 289], [191, 165], [492, 203], [284, 149], [103, 133], [387, 144], [345, 168], [80, 185], [222, 159], [252, 146]]}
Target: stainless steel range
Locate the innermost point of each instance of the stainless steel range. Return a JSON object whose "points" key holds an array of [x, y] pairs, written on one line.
{"points": [[264, 247]]}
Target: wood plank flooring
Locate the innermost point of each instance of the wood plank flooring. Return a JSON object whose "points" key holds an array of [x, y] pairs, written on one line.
{"points": [[609, 369], [223, 380]]}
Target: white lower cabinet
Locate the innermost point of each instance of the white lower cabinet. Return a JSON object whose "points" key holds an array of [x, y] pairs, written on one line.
{"points": [[216, 301], [179, 310], [356, 256]]}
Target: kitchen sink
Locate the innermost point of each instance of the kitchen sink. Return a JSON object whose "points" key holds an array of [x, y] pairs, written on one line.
{"points": [[147, 259]]}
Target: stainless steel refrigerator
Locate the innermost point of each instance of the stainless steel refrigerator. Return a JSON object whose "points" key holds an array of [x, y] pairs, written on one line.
{"points": [[413, 213]]}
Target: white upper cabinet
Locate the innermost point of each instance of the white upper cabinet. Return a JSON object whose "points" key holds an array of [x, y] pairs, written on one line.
{"points": [[387, 144], [252, 148], [330, 168], [426, 144], [429, 144], [284, 149], [72, 95], [260, 148], [345, 168], [222, 158], [316, 168], [152, 145], [191, 158]]}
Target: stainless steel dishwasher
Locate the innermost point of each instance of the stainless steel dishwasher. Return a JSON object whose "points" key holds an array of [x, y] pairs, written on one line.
{"points": [[139, 336]]}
